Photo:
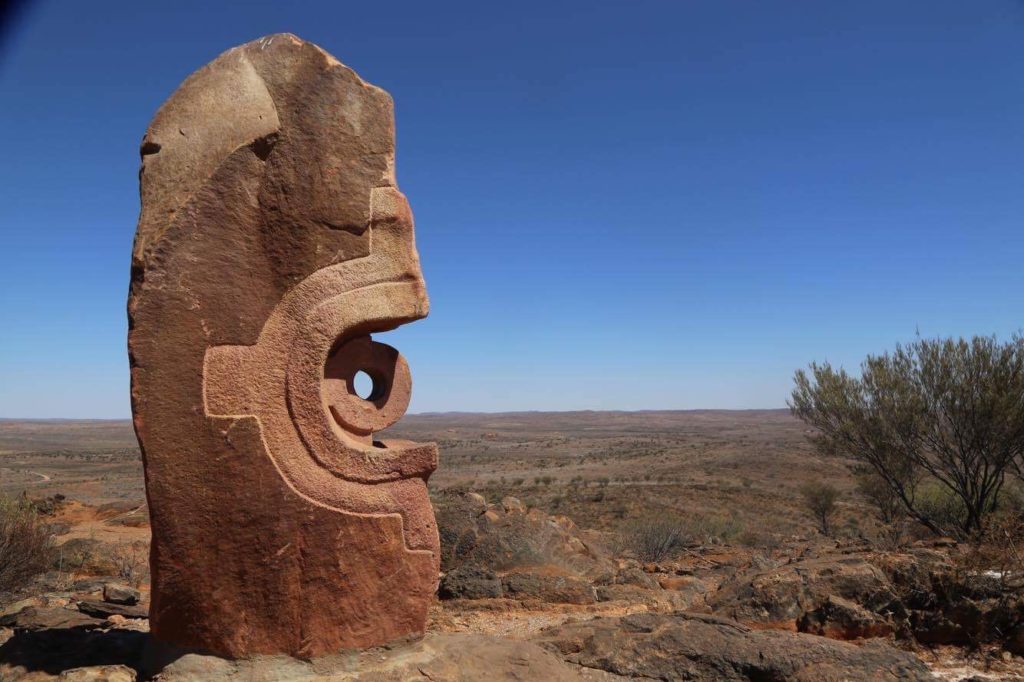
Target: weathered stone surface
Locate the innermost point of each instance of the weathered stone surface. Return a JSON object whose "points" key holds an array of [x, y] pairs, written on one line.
{"points": [[512, 505], [556, 589], [840, 618], [686, 646], [272, 242], [470, 582], [916, 594], [780, 596], [102, 673], [116, 593], [45, 600], [94, 586], [437, 657], [102, 609], [47, 617]]}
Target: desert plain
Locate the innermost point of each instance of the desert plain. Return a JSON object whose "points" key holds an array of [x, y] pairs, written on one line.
{"points": [[539, 515]]}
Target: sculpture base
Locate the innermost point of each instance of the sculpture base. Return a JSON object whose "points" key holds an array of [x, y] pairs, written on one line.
{"points": [[437, 656]]}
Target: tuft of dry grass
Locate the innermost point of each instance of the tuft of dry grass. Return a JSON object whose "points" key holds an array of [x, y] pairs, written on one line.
{"points": [[661, 537]]}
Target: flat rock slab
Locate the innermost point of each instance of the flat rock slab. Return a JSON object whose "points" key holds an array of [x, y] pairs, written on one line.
{"points": [[645, 646], [100, 609], [48, 617], [685, 646]]}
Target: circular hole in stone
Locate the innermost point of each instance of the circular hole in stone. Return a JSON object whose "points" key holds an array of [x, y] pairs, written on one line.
{"points": [[363, 385]]}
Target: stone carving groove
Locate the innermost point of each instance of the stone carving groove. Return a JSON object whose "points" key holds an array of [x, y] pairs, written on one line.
{"points": [[272, 243]]}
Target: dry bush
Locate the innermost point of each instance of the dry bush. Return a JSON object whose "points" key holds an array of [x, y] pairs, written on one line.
{"points": [[759, 539], [81, 555], [131, 561], [999, 550], [713, 529], [820, 499], [654, 538], [26, 544], [889, 531]]}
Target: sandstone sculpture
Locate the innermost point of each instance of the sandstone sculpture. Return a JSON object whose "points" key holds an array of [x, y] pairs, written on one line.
{"points": [[272, 242]]}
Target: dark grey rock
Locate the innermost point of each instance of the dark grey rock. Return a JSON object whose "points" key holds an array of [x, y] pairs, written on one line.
{"points": [[470, 582]]}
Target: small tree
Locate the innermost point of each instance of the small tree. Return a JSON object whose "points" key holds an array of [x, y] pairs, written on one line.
{"points": [[26, 543], [946, 413], [821, 499], [880, 494]]}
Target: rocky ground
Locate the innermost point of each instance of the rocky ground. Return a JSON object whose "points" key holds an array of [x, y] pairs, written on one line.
{"points": [[540, 579], [529, 595]]}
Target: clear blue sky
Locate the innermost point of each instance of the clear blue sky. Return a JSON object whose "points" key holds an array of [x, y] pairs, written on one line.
{"points": [[620, 205]]}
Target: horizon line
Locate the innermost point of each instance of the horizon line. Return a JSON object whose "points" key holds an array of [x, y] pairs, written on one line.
{"points": [[438, 413]]}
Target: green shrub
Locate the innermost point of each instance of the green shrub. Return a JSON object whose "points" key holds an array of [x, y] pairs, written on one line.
{"points": [[948, 412], [938, 502]]}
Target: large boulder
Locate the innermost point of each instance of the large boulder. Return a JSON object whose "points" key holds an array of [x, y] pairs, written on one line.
{"points": [[964, 620], [840, 618], [781, 596], [945, 604], [459, 526], [916, 594], [686, 646]]}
